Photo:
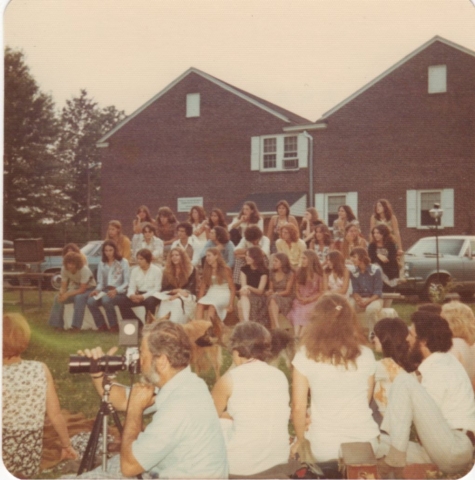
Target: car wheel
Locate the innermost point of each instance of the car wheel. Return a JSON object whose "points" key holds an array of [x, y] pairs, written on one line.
{"points": [[433, 286], [55, 280]]}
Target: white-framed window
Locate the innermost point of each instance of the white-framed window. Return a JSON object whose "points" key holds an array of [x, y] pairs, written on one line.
{"points": [[437, 79], [419, 202], [273, 153], [327, 205], [192, 105]]}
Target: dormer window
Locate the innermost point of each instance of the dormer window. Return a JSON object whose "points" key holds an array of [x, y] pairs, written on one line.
{"points": [[192, 105], [437, 78]]}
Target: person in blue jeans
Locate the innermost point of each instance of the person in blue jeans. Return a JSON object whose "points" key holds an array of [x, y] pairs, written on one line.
{"points": [[112, 281], [77, 282]]}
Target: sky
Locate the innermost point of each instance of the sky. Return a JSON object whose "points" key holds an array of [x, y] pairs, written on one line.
{"points": [[303, 55]]}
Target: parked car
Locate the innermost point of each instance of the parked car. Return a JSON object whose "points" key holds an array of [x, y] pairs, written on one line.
{"points": [[456, 263], [53, 263]]}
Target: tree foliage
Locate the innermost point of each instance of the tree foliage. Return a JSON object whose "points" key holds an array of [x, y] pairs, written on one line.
{"points": [[30, 166]]}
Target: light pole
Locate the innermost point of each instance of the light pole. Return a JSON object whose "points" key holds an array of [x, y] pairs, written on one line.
{"points": [[436, 213]]}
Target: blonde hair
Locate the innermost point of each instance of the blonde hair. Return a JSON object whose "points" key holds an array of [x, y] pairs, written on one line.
{"points": [[16, 334], [170, 271], [461, 320]]}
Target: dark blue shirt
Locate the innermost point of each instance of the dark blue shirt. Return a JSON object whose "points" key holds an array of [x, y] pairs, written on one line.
{"points": [[367, 283]]}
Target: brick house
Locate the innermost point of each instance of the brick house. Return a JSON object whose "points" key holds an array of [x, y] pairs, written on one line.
{"points": [[408, 136]]}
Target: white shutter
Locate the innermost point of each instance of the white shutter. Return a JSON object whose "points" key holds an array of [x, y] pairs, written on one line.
{"points": [[448, 207], [255, 153], [352, 201], [303, 151], [411, 208], [320, 206]]}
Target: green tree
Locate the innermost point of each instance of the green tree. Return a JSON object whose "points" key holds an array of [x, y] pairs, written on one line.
{"points": [[30, 167], [83, 123]]}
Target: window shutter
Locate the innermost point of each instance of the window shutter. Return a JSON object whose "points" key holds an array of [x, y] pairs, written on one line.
{"points": [[255, 153], [411, 208], [320, 206], [448, 207], [303, 151], [352, 201]]}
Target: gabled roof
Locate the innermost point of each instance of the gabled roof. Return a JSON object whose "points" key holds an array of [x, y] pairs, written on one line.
{"points": [[275, 110], [394, 67]]}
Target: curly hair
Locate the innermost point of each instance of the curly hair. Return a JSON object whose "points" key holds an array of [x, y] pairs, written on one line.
{"points": [[183, 269], [70, 247], [253, 233], [461, 320], [201, 214], [433, 330], [73, 258], [333, 333], [293, 231], [187, 227], [251, 340], [169, 339], [166, 212]]}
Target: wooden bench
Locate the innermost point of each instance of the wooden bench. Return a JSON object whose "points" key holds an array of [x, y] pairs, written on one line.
{"points": [[22, 288]]}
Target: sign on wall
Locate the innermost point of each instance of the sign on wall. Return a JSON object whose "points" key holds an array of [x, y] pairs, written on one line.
{"points": [[184, 204]]}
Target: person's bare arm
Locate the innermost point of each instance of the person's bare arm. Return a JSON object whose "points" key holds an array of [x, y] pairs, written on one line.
{"points": [[371, 383], [221, 392], [232, 288], [300, 389]]}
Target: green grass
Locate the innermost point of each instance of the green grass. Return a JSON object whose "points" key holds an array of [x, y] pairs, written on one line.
{"points": [[76, 393]]}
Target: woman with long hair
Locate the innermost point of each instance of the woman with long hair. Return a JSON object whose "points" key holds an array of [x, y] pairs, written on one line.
{"points": [[321, 242], [352, 239], [219, 238], [249, 215], [254, 276], [310, 285], [28, 395], [338, 276], [307, 226], [337, 368], [178, 295], [143, 216], [281, 288], [277, 221], [216, 219], [383, 251], [252, 401], [345, 217], [166, 227], [290, 244], [383, 215], [114, 232], [216, 288], [112, 281], [390, 339], [198, 220], [148, 240]]}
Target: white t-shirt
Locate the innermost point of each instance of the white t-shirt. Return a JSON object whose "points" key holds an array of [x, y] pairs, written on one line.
{"points": [[340, 409]]}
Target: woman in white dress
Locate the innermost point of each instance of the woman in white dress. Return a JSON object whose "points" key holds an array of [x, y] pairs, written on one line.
{"points": [[252, 401], [178, 295], [217, 289], [337, 368]]}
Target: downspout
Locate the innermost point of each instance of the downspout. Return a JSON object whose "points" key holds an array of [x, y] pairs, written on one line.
{"points": [[310, 168]]}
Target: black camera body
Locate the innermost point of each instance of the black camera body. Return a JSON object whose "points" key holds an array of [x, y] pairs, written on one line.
{"points": [[108, 363]]}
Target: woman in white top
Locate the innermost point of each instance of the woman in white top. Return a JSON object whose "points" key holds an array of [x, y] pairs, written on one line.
{"points": [[461, 321], [199, 222], [148, 240], [252, 401], [334, 364], [249, 215]]}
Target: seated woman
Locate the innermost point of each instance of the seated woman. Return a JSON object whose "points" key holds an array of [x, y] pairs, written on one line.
{"points": [[178, 295], [336, 367], [353, 239], [166, 227], [383, 215], [216, 219], [290, 244], [345, 217], [277, 221], [28, 394], [254, 276], [219, 238], [112, 281], [461, 321], [198, 221], [249, 215], [309, 222], [383, 251], [217, 290], [338, 276], [143, 217], [390, 339], [148, 240], [321, 242], [114, 232], [367, 285], [77, 282], [252, 401], [144, 286], [310, 285], [281, 288]]}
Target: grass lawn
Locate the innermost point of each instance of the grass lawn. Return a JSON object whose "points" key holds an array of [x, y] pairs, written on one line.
{"points": [[76, 393]]}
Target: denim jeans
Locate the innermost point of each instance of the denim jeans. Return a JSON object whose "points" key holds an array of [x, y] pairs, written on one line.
{"points": [[57, 312], [109, 306]]}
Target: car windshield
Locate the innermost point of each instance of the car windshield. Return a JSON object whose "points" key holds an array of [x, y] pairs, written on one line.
{"points": [[426, 246], [89, 248]]}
